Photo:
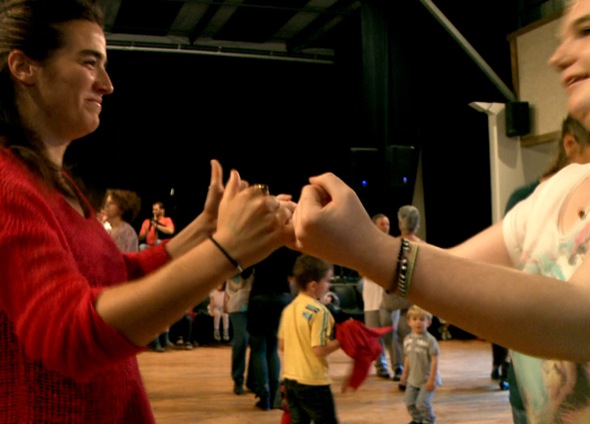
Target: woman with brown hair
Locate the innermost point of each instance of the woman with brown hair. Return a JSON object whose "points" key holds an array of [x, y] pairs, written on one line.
{"points": [[74, 309], [121, 208]]}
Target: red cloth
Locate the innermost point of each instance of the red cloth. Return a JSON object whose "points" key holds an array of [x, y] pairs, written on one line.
{"points": [[59, 360], [286, 418], [362, 344]]}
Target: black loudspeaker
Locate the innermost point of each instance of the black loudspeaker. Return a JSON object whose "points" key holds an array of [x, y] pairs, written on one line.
{"points": [[367, 176], [367, 168], [384, 179], [402, 166], [518, 119]]}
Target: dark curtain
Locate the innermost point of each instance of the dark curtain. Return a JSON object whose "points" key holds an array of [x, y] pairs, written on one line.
{"points": [[389, 106]]}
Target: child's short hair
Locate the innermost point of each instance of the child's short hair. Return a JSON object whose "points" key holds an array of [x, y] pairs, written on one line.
{"points": [[416, 311], [309, 268]]}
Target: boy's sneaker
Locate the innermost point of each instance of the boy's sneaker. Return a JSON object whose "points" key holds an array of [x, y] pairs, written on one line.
{"points": [[397, 374], [238, 389], [158, 349], [217, 335], [383, 374], [263, 404]]}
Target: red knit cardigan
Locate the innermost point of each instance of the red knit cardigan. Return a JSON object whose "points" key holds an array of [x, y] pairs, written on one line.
{"points": [[59, 361]]}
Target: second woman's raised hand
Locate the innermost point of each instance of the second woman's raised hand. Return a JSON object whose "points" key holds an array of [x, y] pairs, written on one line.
{"points": [[252, 224], [331, 222]]}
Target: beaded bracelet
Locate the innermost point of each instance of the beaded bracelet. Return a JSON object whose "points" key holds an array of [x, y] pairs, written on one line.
{"points": [[405, 266], [227, 255]]}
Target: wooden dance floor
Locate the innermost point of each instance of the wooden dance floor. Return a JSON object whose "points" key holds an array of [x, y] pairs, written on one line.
{"points": [[196, 387]]}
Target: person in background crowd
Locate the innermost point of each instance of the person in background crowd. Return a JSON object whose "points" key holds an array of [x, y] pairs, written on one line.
{"points": [[237, 292], [408, 223], [376, 316], [121, 208], [306, 338], [154, 230], [269, 295], [217, 311], [102, 218], [151, 235], [421, 376]]}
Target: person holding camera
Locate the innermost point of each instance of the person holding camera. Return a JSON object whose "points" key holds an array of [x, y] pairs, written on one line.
{"points": [[154, 230]]}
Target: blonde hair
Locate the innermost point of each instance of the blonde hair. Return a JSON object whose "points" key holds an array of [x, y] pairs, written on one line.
{"points": [[416, 311]]}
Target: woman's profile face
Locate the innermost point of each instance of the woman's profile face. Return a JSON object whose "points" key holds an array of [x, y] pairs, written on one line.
{"points": [[111, 208], [66, 90], [572, 59]]}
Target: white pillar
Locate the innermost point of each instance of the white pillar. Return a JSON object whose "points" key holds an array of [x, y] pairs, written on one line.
{"points": [[511, 165]]}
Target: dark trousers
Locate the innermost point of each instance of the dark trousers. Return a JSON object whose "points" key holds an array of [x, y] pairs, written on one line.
{"points": [[266, 364], [239, 346], [307, 403], [264, 314], [499, 355]]}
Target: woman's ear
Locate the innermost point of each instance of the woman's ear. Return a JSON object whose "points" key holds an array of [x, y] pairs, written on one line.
{"points": [[21, 67], [570, 145]]}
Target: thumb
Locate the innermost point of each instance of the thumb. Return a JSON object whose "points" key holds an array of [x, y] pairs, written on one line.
{"points": [[233, 184]]}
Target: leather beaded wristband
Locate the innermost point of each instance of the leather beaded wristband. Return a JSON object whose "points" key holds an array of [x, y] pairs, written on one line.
{"points": [[227, 255], [405, 266]]}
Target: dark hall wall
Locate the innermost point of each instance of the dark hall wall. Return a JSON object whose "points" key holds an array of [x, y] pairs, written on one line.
{"points": [[280, 122], [429, 83], [276, 122]]}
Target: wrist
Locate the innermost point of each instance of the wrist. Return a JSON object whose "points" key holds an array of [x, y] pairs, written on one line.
{"points": [[209, 222], [227, 254]]}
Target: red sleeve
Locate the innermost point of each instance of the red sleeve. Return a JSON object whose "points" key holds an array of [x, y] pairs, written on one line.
{"points": [[148, 260], [46, 302]]}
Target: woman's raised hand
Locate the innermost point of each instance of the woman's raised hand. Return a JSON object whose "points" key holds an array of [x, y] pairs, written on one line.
{"points": [[251, 223], [331, 222], [215, 193]]}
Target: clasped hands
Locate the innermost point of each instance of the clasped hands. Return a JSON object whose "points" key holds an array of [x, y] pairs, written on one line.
{"points": [[328, 219]]}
